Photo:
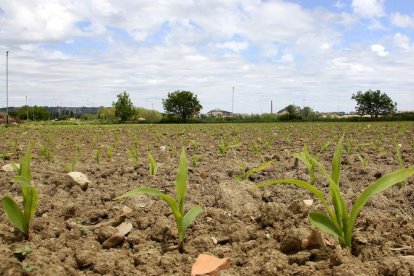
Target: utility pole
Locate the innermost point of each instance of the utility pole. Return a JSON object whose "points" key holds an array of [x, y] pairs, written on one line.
{"points": [[271, 107], [232, 103], [7, 87], [27, 111]]}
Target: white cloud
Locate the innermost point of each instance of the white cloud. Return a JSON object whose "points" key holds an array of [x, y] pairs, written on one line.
{"points": [[368, 8], [235, 46], [402, 20], [376, 25], [379, 50], [402, 41]]}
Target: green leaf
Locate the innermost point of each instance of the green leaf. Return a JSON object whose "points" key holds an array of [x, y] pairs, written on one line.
{"points": [[321, 221], [30, 204], [190, 217], [151, 191], [14, 214], [153, 164], [336, 162], [25, 166], [374, 188], [23, 181], [181, 181], [258, 169], [304, 185]]}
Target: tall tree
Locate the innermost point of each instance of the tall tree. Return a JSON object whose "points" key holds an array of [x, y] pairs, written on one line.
{"points": [[182, 103], [124, 109], [374, 103]]}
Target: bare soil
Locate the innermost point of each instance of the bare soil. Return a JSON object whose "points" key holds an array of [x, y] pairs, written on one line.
{"points": [[258, 229]]}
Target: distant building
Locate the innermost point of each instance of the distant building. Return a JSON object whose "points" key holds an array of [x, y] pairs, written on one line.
{"points": [[219, 113]]}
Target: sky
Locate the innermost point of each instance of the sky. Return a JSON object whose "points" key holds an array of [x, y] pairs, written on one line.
{"points": [[313, 53]]}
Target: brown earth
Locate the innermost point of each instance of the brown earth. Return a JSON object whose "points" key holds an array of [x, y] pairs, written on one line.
{"points": [[258, 229]]}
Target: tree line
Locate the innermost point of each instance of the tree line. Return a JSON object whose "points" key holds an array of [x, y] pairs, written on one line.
{"points": [[181, 106]]}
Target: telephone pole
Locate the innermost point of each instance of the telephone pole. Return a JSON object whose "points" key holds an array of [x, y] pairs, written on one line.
{"points": [[7, 87], [232, 103]]}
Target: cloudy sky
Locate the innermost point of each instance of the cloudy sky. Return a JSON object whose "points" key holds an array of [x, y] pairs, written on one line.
{"points": [[307, 52]]}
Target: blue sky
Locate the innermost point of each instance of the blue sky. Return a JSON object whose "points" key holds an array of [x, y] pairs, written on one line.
{"points": [[314, 53]]}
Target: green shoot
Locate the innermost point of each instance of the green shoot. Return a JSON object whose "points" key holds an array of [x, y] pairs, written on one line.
{"points": [[98, 156], [325, 147], [153, 166], [309, 165], [182, 219], [246, 174], [110, 151], [363, 158], [21, 219], [338, 221], [133, 154], [195, 160], [47, 153], [224, 146]]}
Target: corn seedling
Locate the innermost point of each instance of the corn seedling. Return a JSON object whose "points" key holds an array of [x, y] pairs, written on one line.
{"points": [[193, 145], [324, 147], [182, 219], [303, 156], [153, 166], [246, 174], [110, 151], [338, 221], [46, 153], [133, 154], [98, 156], [224, 146], [363, 158], [195, 160], [21, 219]]}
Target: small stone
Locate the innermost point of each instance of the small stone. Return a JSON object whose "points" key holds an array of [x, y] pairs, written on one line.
{"points": [[163, 148], [113, 241], [76, 179], [10, 167], [308, 202], [124, 228], [214, 240]]}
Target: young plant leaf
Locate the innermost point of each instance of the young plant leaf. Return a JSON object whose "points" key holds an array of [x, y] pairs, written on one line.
{"points": [[336, 162], [30, 197], [153, 165], [374, 188], [13, 213], [181, 181], [190, 217], [321, 221]]}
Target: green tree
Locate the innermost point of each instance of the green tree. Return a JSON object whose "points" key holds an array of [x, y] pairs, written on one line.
{"points": [[374, 103], [307, 113], [182, 103], [34, 113], [124, 109]]}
